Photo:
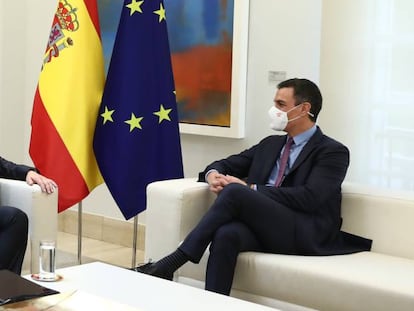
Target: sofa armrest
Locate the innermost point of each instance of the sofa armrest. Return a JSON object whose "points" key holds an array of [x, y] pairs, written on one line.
{"points": [[174, 207], [41, 209]]}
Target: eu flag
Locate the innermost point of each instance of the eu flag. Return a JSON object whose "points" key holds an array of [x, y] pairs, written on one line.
{"points": [[137, 137]]}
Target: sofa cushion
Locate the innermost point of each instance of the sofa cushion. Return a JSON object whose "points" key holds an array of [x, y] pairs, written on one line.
{"points": [[361, 281]]}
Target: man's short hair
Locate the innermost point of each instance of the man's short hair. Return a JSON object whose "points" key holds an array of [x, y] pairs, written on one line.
{"points": [[305, 90]]}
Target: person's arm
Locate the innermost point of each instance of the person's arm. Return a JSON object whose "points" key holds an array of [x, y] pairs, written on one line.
{"points": [[11, 170], [229, 170], [237, 165]]}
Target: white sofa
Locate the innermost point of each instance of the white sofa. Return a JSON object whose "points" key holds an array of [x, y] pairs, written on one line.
{"points": [[41, 210], [382, 279]]}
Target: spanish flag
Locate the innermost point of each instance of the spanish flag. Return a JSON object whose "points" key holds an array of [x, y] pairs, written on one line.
{"points": [[67, 100]]}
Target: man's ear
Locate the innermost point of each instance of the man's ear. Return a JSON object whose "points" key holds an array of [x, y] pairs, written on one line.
{"points": [[306, 106]]}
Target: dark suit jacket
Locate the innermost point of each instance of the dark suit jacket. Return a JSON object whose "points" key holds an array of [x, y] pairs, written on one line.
{"points": [[12, 170], [312, 189]]}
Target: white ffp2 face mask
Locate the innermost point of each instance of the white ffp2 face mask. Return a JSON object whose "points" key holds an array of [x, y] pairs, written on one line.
{"points": [[279, 118]]}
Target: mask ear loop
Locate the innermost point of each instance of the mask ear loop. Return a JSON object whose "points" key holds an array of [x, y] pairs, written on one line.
{"points": [[295, 118], [309, 113]]}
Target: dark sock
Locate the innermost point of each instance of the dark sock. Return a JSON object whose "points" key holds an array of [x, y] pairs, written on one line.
{"points": [[170, 263]]}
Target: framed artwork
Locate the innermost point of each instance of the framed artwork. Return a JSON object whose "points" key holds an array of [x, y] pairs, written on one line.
{"points": [[208, 43]]}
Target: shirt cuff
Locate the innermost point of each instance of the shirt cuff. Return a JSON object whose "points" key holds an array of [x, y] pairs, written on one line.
{"points": [[208, 172]]}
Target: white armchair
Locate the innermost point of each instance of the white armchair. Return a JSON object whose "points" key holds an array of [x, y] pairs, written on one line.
{"points": [[41, 210]]}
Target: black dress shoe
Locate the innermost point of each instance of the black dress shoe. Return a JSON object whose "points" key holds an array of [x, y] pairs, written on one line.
{"points": [[151, 268]]}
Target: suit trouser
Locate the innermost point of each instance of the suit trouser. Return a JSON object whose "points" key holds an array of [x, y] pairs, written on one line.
{"points": [[239, 220], [13, 238]]}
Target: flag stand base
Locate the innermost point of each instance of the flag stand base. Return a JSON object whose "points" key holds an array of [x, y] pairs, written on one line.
{"points": [[134, 243], [80, 233]]}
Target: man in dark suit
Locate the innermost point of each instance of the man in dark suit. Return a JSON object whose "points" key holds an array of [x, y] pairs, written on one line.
{"points": [[282, 195], [14, 222]]}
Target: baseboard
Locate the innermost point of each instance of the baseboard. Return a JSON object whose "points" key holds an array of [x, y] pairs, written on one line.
{"points": [[102, 228]]}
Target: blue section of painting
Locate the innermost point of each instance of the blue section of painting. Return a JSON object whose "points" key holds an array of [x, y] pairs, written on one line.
{"points": [[109, 13], [198, 22]]}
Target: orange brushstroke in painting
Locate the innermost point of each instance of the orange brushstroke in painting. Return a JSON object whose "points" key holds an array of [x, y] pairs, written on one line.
{"points": [[202, 74]]}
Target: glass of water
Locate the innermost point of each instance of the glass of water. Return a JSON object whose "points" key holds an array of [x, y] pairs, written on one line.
{"points": [[47, 260]]}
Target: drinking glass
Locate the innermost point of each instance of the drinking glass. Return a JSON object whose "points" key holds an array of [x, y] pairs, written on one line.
{"points": [[47, 260]]}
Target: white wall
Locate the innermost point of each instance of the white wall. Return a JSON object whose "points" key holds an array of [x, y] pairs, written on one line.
{"points": [[283, 36], [1, 64], [13, 89]]}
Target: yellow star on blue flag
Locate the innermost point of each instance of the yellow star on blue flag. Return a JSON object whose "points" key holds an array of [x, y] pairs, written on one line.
{"points": [[163, 114]]}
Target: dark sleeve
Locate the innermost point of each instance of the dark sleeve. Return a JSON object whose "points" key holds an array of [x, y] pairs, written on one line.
{"points": [[237, 165], [12, 170]]}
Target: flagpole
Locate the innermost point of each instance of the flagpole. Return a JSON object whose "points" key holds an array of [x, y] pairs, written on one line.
{"points": [[134, 243], [80, 233]]}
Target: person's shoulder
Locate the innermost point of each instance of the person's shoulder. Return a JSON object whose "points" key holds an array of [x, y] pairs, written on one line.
{"points": [[331, 140], [328, 140]]}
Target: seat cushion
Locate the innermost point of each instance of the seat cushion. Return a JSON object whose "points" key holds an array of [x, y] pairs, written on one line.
{"points": [[346, 282]]}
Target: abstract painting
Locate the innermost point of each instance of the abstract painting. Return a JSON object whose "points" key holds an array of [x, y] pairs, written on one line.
{"points": [[202, 37]]}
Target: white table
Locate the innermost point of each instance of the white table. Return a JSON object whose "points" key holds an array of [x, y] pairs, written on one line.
{"points": [[142, 291]]}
